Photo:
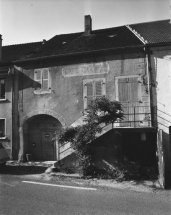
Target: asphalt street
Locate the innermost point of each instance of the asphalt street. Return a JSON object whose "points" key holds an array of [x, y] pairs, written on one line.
{"points": [[22, 196]]}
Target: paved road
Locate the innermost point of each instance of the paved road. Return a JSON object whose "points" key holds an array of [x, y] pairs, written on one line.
{"points": [[23, 198]]}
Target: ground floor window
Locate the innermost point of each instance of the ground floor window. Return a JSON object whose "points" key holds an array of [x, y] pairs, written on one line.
{"points": [[2, 88], [2, 128]]}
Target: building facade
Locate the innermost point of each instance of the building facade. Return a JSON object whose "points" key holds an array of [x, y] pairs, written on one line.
{"points": [[51, 87]]}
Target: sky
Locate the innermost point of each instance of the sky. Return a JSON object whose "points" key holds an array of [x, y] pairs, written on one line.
{"points": [[24, 21]]}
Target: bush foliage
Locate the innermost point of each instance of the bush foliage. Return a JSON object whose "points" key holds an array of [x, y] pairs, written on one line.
{"points": [[100, 111]]}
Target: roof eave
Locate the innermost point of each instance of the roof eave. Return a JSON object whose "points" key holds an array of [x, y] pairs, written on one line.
{"points": [[158, 44], [118, 49]]}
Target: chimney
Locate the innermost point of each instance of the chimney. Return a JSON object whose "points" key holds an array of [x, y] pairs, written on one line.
{"points": [[44, 41], [88, 25], [0, 48]]}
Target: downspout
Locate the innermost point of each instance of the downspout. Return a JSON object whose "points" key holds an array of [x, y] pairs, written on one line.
{"points": [[11, 73], [150, 87], [148, 73]]}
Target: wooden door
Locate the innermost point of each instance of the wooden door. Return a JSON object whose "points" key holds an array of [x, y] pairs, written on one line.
{"points": [[35, 144], [48, 146], [129, 96]]}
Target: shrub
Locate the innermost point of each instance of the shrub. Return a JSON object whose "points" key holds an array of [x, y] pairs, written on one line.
{"points": [[100, 111]]}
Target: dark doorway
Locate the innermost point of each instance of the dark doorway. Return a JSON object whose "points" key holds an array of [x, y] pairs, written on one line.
{"points": [[41, 131]]}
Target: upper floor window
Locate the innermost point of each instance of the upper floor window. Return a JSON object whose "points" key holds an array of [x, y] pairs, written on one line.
{"points": [[92, 89], [2, 128], [2, 88], [42, 78]]}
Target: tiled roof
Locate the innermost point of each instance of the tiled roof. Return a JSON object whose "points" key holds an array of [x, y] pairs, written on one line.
{"points": [[53, 46], [154, 32], [13, 52], [99, 40], [105, 39]]}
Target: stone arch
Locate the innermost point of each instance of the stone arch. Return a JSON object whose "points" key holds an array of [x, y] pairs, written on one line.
{"points": [[23, 134], [44, 111]]}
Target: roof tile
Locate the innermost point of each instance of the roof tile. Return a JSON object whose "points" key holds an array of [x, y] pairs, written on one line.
{"points": [[154, 32]]}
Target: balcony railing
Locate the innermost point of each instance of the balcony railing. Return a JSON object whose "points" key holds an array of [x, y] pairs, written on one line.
{"points": [[135, 116]]}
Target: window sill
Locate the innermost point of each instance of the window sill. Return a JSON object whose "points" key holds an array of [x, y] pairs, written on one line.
{"points": [[42, 91], [3, 138], [3, 100]]}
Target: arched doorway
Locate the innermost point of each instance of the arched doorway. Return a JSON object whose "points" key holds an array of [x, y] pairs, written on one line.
{"points": [[41, 130]]}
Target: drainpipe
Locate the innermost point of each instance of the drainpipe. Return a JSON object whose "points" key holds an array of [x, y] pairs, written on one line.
{"points": [[149, 80], [11, 73]]}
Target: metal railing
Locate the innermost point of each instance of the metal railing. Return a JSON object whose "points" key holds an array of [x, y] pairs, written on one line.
{"points": [[135, 116]]}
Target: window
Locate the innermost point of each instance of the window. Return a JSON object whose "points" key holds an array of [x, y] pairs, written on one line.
{"points": [[93, 88], [42, 78], [128, 92], [2, 128], [2, 88]]}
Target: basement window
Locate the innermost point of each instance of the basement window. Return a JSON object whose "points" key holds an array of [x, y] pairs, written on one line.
{"points": [[42, 79], [2, 128], [2, 88]]}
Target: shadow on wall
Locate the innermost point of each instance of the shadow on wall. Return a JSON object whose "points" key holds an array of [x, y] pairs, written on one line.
{"points": [[26, 82]]}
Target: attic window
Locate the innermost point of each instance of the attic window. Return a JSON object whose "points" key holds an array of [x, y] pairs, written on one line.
{"points": [[113, 35]]}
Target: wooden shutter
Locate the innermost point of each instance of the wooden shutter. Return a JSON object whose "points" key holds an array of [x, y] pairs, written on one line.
{"points": [[45, 80], [90, 93], [98, 89], [123, 89], [128, 92], [93, 88], [133, 89]]}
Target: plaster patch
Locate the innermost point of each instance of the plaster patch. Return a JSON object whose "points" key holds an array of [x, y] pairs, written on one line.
{"points": [[85, 69]]}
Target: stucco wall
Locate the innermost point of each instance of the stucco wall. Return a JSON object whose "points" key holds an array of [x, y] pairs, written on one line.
{"points": [[66, 97], [161, 84]]}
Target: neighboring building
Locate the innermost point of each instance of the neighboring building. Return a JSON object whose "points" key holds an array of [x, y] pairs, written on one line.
{"points": [[8, 108], [156, 37], [54, 84]]}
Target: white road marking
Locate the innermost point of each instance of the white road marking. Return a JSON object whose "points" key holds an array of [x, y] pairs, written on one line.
{"points": [[57, 185]]}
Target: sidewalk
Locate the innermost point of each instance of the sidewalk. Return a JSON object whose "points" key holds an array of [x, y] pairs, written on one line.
{"points": [[140, 186]]}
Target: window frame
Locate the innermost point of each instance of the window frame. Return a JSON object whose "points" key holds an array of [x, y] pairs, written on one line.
{"points": [[3, 78], [4, 128], [85, 81], [128, 76], [41, 90]]}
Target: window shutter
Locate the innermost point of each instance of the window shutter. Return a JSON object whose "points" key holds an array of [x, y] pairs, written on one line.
{"points": [[89, 93], [133, 89], [123, 89], [45, 79], [98, 88], [38, 78], [93, 88]]}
